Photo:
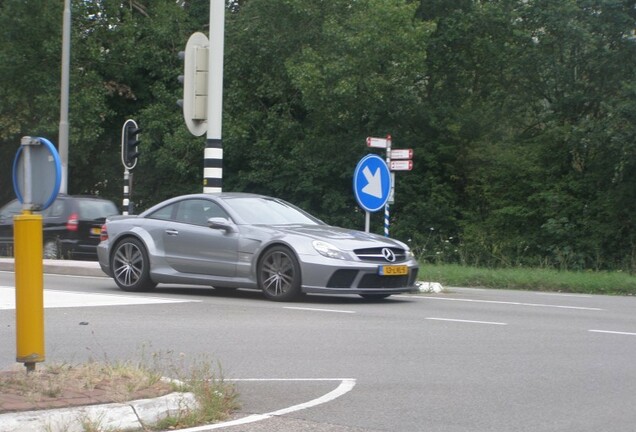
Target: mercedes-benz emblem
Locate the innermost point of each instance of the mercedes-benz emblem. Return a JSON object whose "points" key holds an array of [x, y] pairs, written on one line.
{"points": [[388, 254]]}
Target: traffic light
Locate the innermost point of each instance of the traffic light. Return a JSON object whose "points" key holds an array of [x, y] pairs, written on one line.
{"points": [[129, 143], [195, 83]]}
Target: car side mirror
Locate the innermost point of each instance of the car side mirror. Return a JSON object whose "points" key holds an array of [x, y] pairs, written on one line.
{"points": [[222, 224]]}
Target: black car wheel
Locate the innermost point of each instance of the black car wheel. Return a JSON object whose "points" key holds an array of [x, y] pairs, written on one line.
{"points": [[131, 267], [51, 249], [279, 274]]}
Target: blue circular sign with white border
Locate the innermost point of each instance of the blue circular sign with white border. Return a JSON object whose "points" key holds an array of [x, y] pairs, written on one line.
{"points": [[46, 166], [372, 183]]}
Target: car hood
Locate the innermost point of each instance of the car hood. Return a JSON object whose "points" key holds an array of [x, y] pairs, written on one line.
{"points": [[343, 238]]}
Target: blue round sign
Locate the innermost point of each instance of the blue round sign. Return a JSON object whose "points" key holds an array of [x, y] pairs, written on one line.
{"points": [[372, 183], [45, 169]]}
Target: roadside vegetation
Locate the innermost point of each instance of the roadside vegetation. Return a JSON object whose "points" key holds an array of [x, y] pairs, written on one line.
{"points": [[539, 279]]}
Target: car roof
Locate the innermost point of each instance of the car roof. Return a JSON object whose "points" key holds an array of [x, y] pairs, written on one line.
{"points": [[214, 195]]}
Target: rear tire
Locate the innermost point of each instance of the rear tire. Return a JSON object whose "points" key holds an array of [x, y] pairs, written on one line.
{"points": [[51, 249], [131, 266], [279, 274]]}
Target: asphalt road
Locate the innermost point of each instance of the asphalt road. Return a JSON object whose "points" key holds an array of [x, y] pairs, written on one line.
{"points": [[463, 360]]}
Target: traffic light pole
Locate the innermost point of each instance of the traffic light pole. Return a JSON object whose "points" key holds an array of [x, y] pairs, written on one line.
{"points": [[213, 153], [127, 205], [129, 155]]}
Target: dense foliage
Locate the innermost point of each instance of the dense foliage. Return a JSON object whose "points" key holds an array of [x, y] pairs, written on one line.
{"points": [[521, 113]]}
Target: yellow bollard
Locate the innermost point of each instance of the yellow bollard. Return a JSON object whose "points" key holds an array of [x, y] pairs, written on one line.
{"points": [[29, 289]]}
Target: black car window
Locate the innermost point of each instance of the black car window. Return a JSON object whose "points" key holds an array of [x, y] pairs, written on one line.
{"points": [[191, 211], [198, 211], [164, 213]]}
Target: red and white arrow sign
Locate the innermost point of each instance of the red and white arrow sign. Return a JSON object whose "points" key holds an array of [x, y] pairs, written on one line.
{"points": [[401, 153], [401, 165], [378, 142]]}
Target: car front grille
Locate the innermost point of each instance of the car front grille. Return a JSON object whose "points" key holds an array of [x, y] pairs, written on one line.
{"points": [[375, 281], [347, 278], [342, 279], [376, 255]]}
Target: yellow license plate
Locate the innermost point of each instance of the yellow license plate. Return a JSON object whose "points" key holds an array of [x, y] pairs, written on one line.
{"points": [[394, 270], [96, 231]]}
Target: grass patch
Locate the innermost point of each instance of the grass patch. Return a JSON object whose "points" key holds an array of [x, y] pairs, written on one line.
{"points": [[216, 399], [589, 282]]}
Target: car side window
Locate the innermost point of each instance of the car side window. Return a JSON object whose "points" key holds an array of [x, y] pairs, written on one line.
{"points": [[198, 211], [164, 213]]}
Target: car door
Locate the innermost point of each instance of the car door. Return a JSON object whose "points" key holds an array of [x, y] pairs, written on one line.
{"points": [[193, 247]]}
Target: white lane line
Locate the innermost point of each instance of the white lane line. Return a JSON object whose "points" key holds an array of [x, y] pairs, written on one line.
{"points": [[346, 385], [613, 332], [514, 303], [551, 294], [467, 321], [319, 310], [65, 299]]}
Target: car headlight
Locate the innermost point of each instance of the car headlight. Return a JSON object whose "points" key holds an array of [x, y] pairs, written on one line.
{"points": [[329, 250]]}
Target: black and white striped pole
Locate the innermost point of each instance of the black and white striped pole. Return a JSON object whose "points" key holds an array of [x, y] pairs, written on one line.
{"points": [[213, 155], [203, 94]]}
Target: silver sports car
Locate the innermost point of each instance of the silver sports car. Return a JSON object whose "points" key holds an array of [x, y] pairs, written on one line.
{"points": [[236, 240]]}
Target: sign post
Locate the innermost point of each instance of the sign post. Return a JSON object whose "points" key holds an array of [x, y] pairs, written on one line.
{"points": [[37, 159], [396, 160], [371, 185]]}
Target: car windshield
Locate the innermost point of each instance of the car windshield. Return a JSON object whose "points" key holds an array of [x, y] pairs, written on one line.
{"points": [[265, 211]]}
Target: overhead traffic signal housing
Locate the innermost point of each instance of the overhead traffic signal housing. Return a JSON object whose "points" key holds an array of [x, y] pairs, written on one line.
{"points": [[130, 143], [195, 83]]}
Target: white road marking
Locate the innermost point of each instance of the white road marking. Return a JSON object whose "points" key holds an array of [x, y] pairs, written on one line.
{"points": [[514, 303], [319, 310], [613, 332], [552, 294], [65, 299], [346, 385], [467, 321]]}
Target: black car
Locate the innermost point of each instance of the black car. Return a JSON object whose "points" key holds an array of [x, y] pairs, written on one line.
{"points": [[71, 226]]}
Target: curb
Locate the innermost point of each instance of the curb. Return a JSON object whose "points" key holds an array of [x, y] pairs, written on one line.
{"points": [[66, 267], [134, 415]]}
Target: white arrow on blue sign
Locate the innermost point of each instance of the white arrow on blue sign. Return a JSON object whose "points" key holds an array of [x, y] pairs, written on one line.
{"points": [[372, 183]]}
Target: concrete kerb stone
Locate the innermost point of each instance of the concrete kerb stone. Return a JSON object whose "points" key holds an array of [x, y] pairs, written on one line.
{"points": [[135, 415]]}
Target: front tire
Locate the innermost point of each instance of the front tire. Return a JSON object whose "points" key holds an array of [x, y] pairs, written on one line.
{"points": [[279, 274], [131, 266]]}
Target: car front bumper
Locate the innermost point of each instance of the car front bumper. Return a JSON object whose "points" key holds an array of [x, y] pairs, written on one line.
{"points": [[324, 275]]}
